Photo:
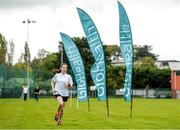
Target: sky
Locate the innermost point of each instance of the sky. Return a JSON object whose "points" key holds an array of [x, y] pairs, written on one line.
{"points": [[153, 22]]}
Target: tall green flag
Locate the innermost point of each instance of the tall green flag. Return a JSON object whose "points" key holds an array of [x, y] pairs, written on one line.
{"points": [[126, 45], [77, 66], [98, 69]]}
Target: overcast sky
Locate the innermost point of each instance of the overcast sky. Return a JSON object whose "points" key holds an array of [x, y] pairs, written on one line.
{"points": [[153, 22]]}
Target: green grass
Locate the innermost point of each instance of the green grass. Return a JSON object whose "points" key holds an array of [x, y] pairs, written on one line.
{"points": [[147, 114]]}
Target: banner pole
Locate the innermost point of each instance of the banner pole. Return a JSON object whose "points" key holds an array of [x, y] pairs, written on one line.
{"points": [[77, 105], [132, 81], [88, 104], [88, 99], [107, 101]]}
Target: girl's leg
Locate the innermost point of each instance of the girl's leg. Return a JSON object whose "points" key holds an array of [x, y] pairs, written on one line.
{"points": [[60, 102], [62, 110]]}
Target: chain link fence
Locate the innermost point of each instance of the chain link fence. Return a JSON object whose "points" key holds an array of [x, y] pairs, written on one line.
{"points": [[13, 78]]}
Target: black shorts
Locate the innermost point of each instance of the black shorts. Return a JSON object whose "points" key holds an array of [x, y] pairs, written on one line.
{"points": [[65, 98]]}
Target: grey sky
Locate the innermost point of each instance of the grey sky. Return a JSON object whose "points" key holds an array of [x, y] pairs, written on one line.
{"points": [[153, 22], [10, 4], [14, 4]]}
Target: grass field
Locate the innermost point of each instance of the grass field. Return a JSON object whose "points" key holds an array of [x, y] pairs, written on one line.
{"points": [[147, 114]]}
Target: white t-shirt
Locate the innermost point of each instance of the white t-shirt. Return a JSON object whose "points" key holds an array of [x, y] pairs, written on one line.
{"points": [[25, 89], [62, 81]]}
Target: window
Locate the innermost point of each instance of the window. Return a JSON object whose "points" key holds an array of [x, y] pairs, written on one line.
{"points": [[178, 73]]}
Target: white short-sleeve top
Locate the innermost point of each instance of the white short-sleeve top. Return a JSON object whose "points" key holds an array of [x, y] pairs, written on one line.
{"points": [[62, 81], [25, 89]]}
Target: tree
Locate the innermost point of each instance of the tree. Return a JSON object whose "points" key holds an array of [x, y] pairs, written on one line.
{"points": [[27, 55], [20, 66], [11, 53], [112, 53], [144, 75], [42, 53], [146, 61], [3, 49], [21, 58], [143, 51], [115, 77]]}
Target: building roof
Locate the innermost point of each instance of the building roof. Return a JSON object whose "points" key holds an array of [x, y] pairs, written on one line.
{"points": [[174, 65]]}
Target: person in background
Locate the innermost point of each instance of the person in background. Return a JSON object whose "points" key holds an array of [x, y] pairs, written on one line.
{"points": [[25, 91], [36, 93]]}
